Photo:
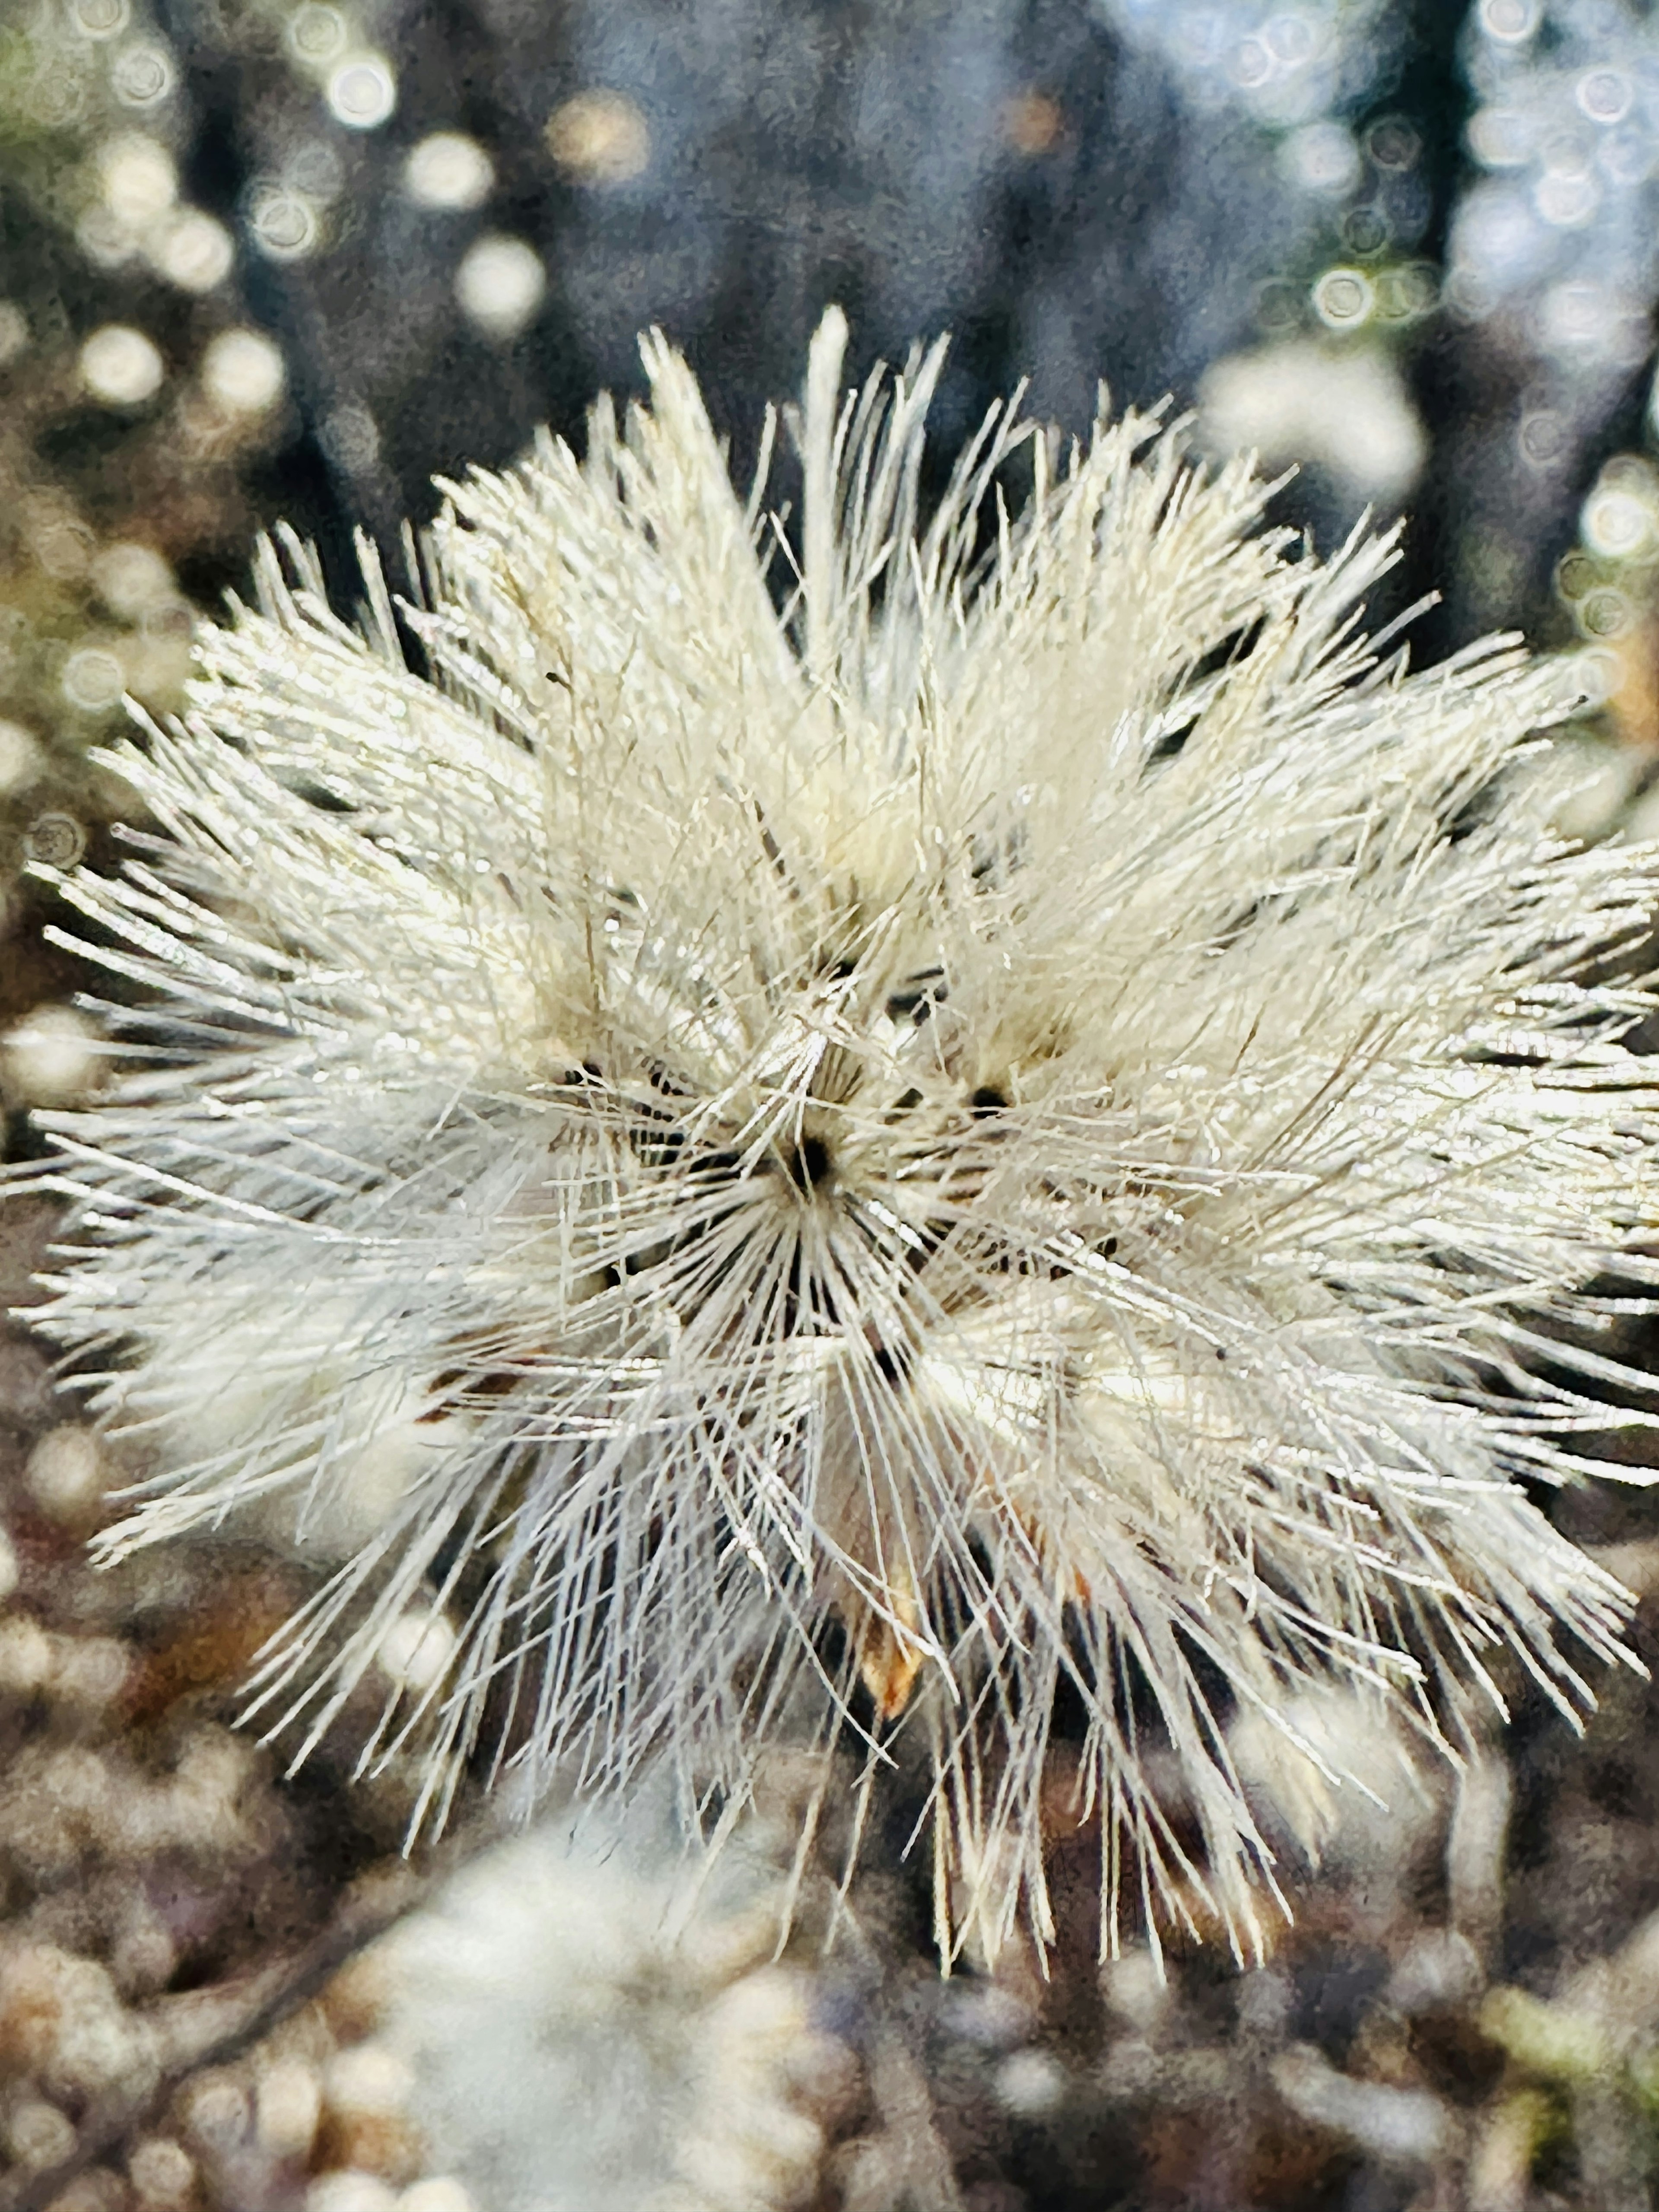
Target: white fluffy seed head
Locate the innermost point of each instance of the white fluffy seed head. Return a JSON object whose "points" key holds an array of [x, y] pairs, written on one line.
{"points": [[1012, 1108]]}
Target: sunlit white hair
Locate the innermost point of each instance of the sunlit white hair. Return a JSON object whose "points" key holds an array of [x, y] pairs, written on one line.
{"points": [[1024, 1120]]}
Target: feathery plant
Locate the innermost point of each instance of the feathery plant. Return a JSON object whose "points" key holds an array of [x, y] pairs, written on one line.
{"points": [[1028, 1120]]}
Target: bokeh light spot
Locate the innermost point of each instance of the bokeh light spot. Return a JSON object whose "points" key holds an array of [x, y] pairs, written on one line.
{"points": [[61, 542], [52, 1059], [21, 758], [106, 240], [1565, 154], [57, 96], [132, 578], [1628, 154], [448, 170], [350, 2190], [1566, 203], [1393, 143], [1508, 22], [1406, 291], [193, 250], [316, 34], [599, 137], [1500, 138], [1542, 437], [1604, 95], [1320, 157], [120, 366], [1581, 317], [362, 91], [1575, 573], [351, 439], [141, 73], [242, 370], [64, 1473], [138, 178], [1251, 65], [312, 167], [1365, 230], [283, 221], [1599, 674], [1617, 524], [1277, 304], [1604, 612], [436, 2192], [92, 679], [500, 284], [100, 19], [1290, 39], [1343, 299], [54, 841]]}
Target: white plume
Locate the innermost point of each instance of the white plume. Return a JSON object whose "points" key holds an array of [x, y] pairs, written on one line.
{"points": [[1030, 1117]]}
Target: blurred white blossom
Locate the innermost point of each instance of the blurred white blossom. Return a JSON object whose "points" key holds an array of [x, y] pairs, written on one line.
{"points": [[587, 2031], [1348, 410]]}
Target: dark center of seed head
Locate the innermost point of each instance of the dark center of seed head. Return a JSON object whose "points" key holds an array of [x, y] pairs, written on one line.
{"points": [[807, 1163]]}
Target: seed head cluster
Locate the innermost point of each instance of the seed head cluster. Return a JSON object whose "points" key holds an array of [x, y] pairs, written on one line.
{"points": [[893, 1121]]}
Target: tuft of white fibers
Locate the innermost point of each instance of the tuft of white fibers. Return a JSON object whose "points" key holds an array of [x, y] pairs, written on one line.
{"points": [[591, 2026], [1000, 1104]]}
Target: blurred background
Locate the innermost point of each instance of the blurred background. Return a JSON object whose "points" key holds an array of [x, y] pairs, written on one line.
{"points": [[266, 259]]}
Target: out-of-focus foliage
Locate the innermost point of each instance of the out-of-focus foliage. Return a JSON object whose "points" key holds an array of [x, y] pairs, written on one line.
{"points": [[125, 441]]}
